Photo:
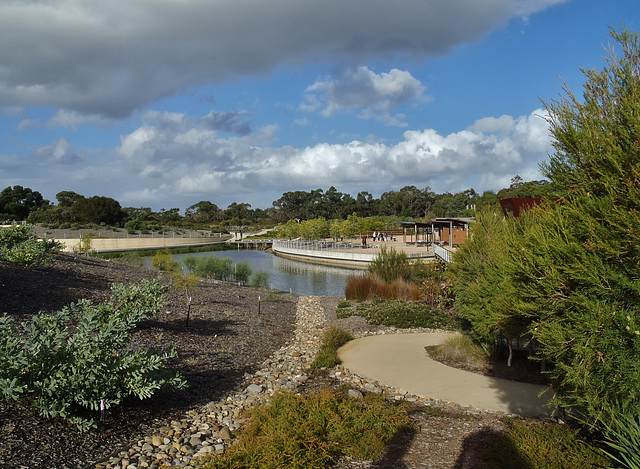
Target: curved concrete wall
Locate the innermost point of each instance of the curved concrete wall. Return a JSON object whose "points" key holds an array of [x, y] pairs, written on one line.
{"points": [[325, 256]]}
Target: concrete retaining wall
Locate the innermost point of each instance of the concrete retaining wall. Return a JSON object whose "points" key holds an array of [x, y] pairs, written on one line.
{"points": [[129, 244], [325, 256]]}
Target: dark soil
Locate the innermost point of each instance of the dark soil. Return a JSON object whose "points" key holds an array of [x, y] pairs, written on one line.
{"points": [[226, 338]]}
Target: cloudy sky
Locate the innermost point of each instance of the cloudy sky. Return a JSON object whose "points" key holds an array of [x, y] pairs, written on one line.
{"points": [[164, 103]]}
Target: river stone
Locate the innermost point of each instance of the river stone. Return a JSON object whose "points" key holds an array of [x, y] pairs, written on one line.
{"points": [[254, 389], [225, 434]]}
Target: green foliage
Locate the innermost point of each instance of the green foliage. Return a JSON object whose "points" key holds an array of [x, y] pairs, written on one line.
{"points": [[313, 432], [541, 445], [623, 438], [74, 358], [190, 262], [403, 314], [567, 272], [213, 267], [17, 202], [334, 338], [20, 246], [482, 282], [259, 279], [241, 272], [164, 261], [97, 209], [390, 264]]}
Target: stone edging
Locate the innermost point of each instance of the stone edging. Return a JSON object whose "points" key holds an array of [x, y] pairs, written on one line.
{"points": [[210, 428]]}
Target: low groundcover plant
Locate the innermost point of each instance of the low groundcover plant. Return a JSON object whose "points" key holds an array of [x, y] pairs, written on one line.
{"points": [[78, 358]]}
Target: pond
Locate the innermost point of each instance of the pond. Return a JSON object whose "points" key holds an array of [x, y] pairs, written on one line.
{"points": [[301, 278]]}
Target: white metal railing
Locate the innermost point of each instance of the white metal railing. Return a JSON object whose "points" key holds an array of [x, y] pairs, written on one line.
{"points": [[315, 245], [442, 253]]}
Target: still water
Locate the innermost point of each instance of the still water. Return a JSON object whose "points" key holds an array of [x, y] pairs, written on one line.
{"points": [[301, 278]]}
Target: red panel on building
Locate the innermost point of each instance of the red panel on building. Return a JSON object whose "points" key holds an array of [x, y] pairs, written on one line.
{"points": [[515, 205]]}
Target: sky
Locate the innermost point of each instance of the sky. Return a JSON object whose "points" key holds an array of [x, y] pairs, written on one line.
{"points": [[165, 103]]}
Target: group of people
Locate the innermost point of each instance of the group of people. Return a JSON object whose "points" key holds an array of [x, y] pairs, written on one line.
{"points": [[380, 236]]}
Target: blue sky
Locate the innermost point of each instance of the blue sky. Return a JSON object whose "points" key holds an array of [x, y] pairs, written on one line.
{"points": [[165, 103]]}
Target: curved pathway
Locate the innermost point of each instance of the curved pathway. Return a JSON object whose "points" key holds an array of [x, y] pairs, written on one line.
{"points": [[400, 360]]}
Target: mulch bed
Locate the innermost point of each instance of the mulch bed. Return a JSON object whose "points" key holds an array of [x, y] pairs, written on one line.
{"points": [[226, 338]]}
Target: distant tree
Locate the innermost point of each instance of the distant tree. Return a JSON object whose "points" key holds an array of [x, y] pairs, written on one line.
{"points": [[68, 198], [366, 205], [238, 214], [98, 209], [17, 202], [203, 212]]}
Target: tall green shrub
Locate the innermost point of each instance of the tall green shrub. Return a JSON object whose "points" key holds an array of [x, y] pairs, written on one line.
{"points": [[483, 275], [570, 269], [390, 265], [80, 356], [591, 329], [163, 260]]}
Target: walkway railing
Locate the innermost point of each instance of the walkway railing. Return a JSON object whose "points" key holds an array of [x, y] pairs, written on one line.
{"points": [[318, 245], [442, 253]]}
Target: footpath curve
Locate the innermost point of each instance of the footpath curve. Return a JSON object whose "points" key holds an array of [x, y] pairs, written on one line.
{"points": [[401, 361]]}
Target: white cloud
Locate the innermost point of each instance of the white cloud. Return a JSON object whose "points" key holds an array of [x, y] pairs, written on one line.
{"points": [[362, 90], [236, 166], [173, 160], [111, 58]]}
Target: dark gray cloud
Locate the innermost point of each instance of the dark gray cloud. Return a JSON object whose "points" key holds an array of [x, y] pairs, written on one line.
{"points": [[111, 58]]}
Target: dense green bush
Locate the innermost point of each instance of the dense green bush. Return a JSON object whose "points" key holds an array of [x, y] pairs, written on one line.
{"points": [[80, 356], [241, 272], [20, 246], [302, 432], [402, 314], [259, 279], [213, 267], [567, 272]]}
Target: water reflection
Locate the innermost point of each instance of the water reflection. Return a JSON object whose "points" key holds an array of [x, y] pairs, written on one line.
{"points": [[299, 277]]}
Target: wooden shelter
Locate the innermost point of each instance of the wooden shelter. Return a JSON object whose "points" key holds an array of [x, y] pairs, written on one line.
{"points": [[451, 231]]}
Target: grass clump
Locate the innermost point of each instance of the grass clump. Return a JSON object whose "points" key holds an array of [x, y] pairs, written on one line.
{"points": [[313, 432], [402, 314], [334, 338], [460, 349], [540, 445]]}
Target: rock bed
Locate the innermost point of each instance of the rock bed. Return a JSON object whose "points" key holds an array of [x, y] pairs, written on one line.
{"points": [[211, 428]]}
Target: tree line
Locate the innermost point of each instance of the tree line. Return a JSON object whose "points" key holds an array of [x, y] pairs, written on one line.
{"points": [[23, 203]]}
